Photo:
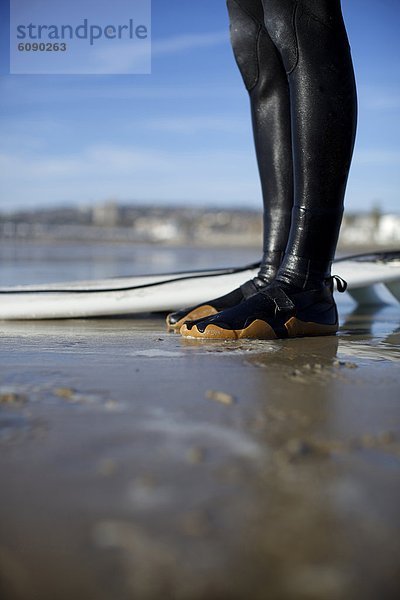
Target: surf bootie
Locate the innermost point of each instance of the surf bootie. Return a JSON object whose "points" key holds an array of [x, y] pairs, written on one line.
{"points": [[176, 319], [274, 312]]}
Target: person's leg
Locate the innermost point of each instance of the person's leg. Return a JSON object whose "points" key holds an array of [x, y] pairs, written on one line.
{"points": [[265, 79], [311, 39], [264, 76]]}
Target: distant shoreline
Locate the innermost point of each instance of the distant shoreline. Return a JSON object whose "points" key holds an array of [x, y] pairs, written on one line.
{"points": [[176, 227]]}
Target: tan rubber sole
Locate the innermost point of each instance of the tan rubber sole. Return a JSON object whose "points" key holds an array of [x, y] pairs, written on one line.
{"points": [[198, 313], [297, 328], [260, 330]]}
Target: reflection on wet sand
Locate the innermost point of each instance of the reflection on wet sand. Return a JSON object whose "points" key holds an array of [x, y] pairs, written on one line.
{"points": [[372, 332], [136, 464]]}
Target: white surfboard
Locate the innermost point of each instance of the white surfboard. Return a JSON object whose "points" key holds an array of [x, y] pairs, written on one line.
{"points": [[170, 291]]}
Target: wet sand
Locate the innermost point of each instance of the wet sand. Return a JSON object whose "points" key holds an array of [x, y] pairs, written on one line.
{"points": [[138, 465]]}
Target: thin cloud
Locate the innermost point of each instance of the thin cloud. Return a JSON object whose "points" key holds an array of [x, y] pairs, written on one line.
{"points": [[69, 93], [198, 124], [126, 58], [101, 171], [377, 157], [186, 42], [379, 98]]}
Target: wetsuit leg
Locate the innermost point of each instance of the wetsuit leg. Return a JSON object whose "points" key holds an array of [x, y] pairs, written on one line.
{"points": [[264, 76], [311, 38]]}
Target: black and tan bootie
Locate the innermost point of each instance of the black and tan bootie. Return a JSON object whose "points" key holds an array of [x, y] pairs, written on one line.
{"points": [[274, 312], [176, 319]]}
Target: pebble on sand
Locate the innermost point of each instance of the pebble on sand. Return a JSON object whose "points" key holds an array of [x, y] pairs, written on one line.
{"points": [[222, 397], [64, 392], [10, 397], [196, 455], [106, 467]]}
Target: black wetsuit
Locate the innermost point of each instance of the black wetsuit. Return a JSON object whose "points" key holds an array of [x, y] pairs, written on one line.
{"points": [[295, 61]]}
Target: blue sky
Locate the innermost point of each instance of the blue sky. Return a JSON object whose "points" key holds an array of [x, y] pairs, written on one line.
{"points": [[182, 134]]}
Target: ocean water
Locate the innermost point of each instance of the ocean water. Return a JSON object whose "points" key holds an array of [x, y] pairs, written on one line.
{"points": [[36, 262]]}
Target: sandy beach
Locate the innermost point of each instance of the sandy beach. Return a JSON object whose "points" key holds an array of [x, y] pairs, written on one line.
{"points": [[139, 465]]}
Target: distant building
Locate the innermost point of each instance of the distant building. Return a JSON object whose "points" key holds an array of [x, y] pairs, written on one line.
{"points": [[106, 214], [371, 229]]}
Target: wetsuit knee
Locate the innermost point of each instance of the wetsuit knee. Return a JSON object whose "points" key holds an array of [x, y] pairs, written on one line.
{"points": [[291, 22], [244, 32], [279, 16]]}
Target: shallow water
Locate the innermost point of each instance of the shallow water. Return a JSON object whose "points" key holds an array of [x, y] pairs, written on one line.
{"points": [[35, 262]]}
